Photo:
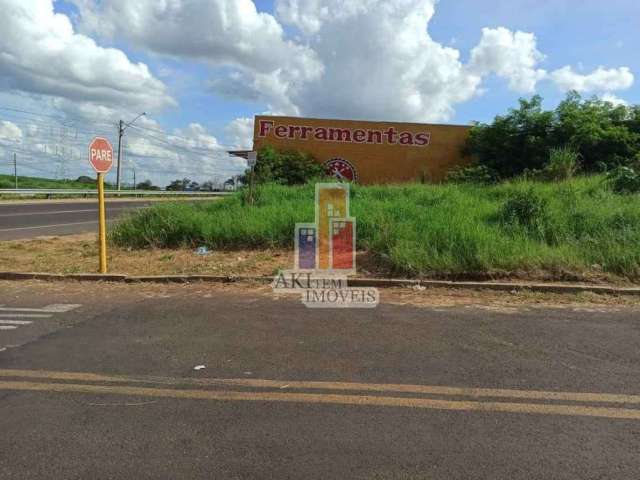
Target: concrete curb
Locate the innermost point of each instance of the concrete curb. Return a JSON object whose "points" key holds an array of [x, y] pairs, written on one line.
{"points": [[354, 282], [497, 286]]}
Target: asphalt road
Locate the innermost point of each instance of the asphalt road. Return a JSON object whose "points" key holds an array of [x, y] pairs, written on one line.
{"points": [[104, 386], [20, 220]]}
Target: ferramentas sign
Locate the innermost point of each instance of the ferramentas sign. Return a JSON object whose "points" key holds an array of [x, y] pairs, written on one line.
{"points": [[368, 152], [369, 136]]}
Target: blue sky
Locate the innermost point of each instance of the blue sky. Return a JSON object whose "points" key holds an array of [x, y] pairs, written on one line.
{"points": [[203, 69], [592, 34]]}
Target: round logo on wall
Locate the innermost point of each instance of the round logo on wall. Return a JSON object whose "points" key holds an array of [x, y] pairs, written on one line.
{"points": [[341, 169]]}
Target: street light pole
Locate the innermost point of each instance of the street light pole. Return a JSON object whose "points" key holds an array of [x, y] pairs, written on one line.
{"points": [[120, 135], [121, 128]]}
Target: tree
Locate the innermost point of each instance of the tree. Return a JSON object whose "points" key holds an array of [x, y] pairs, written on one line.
{"points": [[598, 130], [180, 185], [285, 167], [207, 186], [633, 122], [230, 183], [514, 142], [146, 185], [603, 134]]}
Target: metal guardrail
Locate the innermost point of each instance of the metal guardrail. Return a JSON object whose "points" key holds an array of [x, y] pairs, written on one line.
{"points": [[116, 193]]}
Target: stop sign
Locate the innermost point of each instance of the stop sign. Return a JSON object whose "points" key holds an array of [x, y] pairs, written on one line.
{"points": [[101, 155]]}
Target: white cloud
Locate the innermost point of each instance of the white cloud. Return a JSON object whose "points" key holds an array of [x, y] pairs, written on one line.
{"points": [[379, 61], [41, 54], [188, 152], [191, 152], [195, 136], [611, 98], [369, 59], [513, 56], [365, 58], [309, 15], [219, 32], [240, 133], [82, 89], [600, 80], [51, 148], [10, 132]]}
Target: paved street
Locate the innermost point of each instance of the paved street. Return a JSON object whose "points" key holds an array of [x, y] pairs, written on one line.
{"points": [[22, 220], [102, 384], [19, 220]]}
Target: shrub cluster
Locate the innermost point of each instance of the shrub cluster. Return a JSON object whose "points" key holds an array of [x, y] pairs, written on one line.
{"points": [[479, 174], [285, 167], [624, 180], [526, 209], [598, 134]]}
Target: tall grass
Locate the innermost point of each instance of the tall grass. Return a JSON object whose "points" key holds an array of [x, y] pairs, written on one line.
{"points": [[460, 230], [564, 163]]}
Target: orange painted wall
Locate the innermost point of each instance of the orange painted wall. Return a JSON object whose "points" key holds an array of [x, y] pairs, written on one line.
{"points": [[375, 163]]}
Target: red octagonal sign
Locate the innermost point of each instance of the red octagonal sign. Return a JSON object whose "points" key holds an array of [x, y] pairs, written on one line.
{"points": [[101, 155]]}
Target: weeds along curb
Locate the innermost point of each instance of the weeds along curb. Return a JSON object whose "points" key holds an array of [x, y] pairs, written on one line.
{"points": [[355, 282]]}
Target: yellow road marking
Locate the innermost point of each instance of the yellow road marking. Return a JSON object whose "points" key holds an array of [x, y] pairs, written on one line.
{"points": [[359, 400], [339, 386]]}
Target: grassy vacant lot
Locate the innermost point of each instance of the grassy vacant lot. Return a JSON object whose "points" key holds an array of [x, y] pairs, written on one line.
{"points": [[578, 229]]}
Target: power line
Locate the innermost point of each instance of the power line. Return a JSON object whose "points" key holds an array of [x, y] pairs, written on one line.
{"points": [[140, 127], [42, 124], [31, 156], [61, 120], [26, 123], [58, 133], [56, 117], [185, 139]]}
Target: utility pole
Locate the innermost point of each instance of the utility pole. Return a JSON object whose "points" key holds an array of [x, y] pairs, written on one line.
{"points": [[134, 180], [120, 135], [121, 128], [15, 168]]}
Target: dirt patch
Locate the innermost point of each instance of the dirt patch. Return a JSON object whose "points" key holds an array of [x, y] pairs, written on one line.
{"points": [[507, 302], [439, 299], [79, 254]]}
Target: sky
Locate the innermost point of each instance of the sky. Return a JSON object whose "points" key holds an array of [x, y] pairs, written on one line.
{"points": [[201, 70]]}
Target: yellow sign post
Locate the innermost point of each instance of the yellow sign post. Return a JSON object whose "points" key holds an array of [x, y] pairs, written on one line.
{"points": [[102, 224], [101, 159]]}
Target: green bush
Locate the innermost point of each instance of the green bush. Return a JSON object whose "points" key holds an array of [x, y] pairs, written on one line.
{"points": [[285, 167], [513, 142], [480, 174], [604, 135], [600, 131], [526, 209], [624, 180]]}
